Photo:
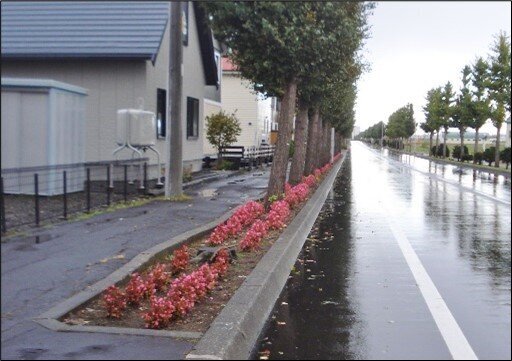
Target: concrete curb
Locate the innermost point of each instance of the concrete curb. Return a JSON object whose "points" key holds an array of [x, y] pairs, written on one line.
{"points": [[49, 319], [234, 332]]}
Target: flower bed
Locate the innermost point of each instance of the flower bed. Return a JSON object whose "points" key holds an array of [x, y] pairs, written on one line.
{"points": [[178, 294]]}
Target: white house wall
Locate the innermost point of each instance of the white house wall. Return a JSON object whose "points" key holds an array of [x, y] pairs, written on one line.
{"points": [[238, 97]]}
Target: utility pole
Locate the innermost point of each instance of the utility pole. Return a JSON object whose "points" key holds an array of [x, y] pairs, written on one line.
{"points": [[174, 161]]}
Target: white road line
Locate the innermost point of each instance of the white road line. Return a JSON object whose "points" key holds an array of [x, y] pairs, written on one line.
{"points": [[457, 343]]}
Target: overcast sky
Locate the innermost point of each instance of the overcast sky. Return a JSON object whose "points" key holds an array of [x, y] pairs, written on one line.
{"points": [[416, 46]]}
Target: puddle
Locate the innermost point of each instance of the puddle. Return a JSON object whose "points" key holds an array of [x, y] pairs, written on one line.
{"points": [[208, 193]]}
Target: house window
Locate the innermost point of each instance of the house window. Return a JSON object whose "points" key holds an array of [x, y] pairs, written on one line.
{"points": [[161, 113], [192, 118]]}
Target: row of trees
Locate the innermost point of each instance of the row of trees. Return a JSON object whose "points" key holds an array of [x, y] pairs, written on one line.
{"points": [[401, 126], [307, 54], [484, 94]]}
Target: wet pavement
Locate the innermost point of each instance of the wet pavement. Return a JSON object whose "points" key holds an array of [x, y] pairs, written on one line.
{"points": [[407, 260], [47, 266]]}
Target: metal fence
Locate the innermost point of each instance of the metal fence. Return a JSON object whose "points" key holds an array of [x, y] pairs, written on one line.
{"points": [[37, 194]]}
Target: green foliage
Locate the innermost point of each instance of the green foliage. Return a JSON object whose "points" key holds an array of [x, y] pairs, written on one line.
{"points": [[456, 152], [439, 152], [222, 129], [267, 39], [225, 165], [464, 109], [272, 198], [446, 108], [489, 155], [432, 111], [478, 157], [291, 149], [267, 42], [505, 156], [479, 81], [401, 123], [500, 78], [376, 131]]}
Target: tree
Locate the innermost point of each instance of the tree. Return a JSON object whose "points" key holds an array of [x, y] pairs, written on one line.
{"points": [[341, 27], [401, 124], [433, 119], [446, 111], [267, 42], [481, 101], [222, 130], [463, 110], [499, 85]]}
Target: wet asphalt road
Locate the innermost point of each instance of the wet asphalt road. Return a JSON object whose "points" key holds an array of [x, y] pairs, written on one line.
{"points": [[408, 260]]}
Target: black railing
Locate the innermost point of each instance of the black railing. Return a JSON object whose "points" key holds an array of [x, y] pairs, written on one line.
{"points": [[35, 195]]}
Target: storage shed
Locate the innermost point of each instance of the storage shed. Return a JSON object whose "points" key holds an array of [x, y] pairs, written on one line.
{"points": [[43, 125]]}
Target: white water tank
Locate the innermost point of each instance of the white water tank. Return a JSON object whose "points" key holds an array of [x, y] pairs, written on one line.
{"points": [[137, 127]]}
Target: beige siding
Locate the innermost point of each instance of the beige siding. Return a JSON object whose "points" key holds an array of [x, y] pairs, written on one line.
{"points": [[111, 85], [193, 86], [238, 97]]}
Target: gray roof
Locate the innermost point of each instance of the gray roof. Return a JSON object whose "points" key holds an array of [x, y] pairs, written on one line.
{"points": [[82, 29]]}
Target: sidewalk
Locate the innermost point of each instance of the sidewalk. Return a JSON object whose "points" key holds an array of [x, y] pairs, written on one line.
{"points": [[38, 273]]}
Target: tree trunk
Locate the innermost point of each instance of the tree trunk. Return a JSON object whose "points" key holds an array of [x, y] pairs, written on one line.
{"points": [[461, 155], [431, 143], [327, 143], [301, 140], [319, 142], [497, 152], [280, 162], [475, 150], [309, 165], [437, 143], [444, 143]]}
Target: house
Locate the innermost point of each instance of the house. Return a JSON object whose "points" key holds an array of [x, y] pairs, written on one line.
{"points": [[252, 110], [121, 60]]}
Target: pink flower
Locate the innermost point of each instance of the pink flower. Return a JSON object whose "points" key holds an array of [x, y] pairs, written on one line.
{"points": [[160, 312], [136, 289], [114, 301], [180, 259], [258, 230]]}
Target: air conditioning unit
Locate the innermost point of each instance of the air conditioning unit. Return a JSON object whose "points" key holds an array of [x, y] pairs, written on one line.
{"points": [[136, 127]]}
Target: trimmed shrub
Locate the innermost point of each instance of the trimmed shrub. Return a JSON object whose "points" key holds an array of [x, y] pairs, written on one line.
{"points": [[456, 152], [479, 157], [489, 155], [505, 156]]}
